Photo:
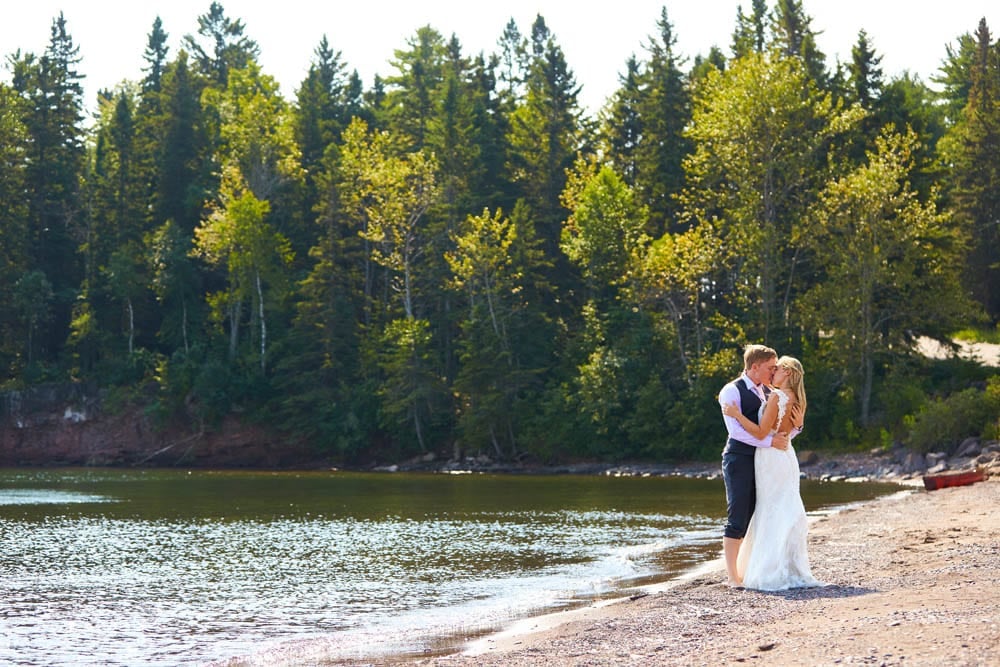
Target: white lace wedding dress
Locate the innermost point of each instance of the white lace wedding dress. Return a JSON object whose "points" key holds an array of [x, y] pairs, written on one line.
{"points": [[773, 554]]}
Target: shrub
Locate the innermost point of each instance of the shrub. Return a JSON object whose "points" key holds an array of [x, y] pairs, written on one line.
{"points": [[944, 423]]}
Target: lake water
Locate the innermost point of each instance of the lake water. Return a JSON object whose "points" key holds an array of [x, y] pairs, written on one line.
{"points": [[168, 567]]}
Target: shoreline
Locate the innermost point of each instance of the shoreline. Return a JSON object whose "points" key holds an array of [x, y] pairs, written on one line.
{"points": [[521, 630], [913, 578], [687, 614]]}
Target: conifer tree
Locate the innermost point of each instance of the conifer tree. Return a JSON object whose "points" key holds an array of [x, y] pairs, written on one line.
{"points": [[665, 109], [865, 73], [182, 185], [226, 48], [53, 105], [155, 57], [971, 147], [622, 123], [414, 93], [14, 259], [793, 36], [545, 135], [750, 35]]}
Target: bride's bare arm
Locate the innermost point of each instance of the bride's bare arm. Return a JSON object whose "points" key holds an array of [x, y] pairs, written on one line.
{"points": [[759, 431]]}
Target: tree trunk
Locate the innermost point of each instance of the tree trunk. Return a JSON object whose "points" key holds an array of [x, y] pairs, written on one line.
{"points": [[407, 296], [866, 387], [184, 325], [234, 327], [263, 325], [369, 284], [131, 325], [417, 428], [496, 445]]}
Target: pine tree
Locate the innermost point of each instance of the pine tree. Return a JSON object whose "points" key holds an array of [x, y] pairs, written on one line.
{"points": [[865, 73], [751, 30], [665, 109], [954, 78], [114, 277], [227, 47], [155, 56], [972, 146], [52, 93], [15, 335], [545, 136], [182, 186], [793, 36], [413, 94], [321, 113], [622, 127], [149, 118]]}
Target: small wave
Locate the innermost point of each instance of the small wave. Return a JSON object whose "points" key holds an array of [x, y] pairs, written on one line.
{"points": [[48, 497]]}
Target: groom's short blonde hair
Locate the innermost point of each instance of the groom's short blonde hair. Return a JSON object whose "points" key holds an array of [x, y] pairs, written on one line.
{"points": [[754, 354]]}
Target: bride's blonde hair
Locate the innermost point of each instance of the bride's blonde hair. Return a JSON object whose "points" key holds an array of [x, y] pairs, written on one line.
{"points": [[795, 382]]}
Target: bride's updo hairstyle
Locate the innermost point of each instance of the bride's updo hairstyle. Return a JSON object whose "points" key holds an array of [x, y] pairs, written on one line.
{"points": [[795, 383]]}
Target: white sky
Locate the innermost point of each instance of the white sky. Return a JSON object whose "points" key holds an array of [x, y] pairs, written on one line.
{"points": [[596, 38]]}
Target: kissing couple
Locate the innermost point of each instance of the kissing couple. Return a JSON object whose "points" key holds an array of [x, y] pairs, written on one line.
{"points": [[764, 543]]}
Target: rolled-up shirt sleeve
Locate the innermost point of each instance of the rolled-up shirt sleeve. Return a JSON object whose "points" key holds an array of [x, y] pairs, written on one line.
{"points": [[730, 394]]}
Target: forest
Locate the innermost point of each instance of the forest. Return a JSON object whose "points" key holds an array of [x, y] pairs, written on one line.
{"points": [[459, 259]]}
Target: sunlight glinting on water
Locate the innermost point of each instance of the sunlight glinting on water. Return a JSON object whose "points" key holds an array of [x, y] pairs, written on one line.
{"points": [[167, 569], [217, 585]]}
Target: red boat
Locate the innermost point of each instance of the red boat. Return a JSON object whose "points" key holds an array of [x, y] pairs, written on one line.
{"points": [[954, 478]]}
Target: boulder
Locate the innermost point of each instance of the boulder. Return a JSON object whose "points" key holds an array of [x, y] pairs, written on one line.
{"points": [[807, 457], [987, 457], [913, 462], [933, 458], [940, 467], [970, 447]]}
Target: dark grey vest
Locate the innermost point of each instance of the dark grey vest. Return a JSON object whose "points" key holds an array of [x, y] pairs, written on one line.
{"points": [[750, 407]]}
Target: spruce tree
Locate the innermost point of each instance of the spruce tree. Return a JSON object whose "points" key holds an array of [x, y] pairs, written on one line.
{"points": [[226, 47], [751, 30], [53, 106], [14, 260], [665, 109], [971, 147]]}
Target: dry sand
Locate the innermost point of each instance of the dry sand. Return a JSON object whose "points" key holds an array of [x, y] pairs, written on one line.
{"points": [[913, 579]]}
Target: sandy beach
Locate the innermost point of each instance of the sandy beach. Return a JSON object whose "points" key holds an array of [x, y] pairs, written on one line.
{"points": [[912, 579]]}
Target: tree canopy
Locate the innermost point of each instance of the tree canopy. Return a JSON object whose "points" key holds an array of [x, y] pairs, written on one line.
{"points": [[459, 259]]}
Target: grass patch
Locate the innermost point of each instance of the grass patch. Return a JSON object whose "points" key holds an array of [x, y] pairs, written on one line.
{"points": [[978, 335]]}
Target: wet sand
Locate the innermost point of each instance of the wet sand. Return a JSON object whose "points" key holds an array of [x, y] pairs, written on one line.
{"points": [[912, 579]]}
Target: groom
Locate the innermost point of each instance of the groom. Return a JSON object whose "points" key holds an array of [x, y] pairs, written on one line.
{"points": [[749, 391]]}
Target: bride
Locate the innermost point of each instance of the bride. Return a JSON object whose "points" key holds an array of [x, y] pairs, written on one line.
{"points": [[773, 554]]}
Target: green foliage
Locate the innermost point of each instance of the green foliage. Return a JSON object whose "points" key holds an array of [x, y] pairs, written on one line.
{"points": [[762, 133], [944, 423], [459, 260], [880, 247], [411, 391], [978, 335], [970, 147]]}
